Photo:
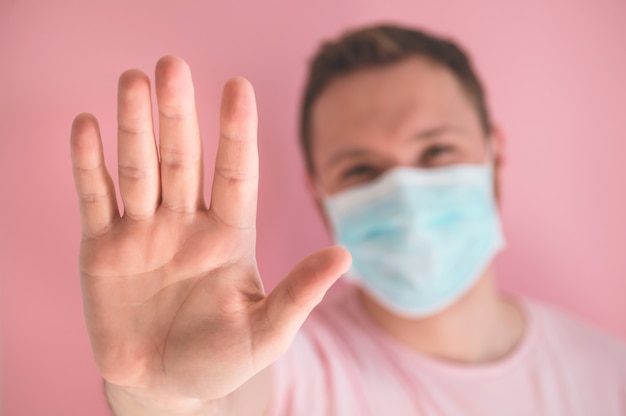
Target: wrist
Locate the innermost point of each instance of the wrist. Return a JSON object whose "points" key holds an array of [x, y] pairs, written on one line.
{"points": [[130, 401]]}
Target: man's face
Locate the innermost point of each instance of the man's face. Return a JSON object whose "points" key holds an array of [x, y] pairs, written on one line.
{"points": [[413, 113]]}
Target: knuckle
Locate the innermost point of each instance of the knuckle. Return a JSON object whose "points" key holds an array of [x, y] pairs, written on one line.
{"points": [[133, 173], [234, 175], [88, 169], [180, 207], [177, 159], [175, 111], [91, 198], [234, 133], [132, 126]]}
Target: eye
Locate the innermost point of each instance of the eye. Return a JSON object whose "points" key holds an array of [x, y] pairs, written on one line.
{"points": [[359, 171], [436, 153]]}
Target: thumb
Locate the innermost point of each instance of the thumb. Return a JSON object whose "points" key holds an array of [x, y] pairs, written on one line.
{"points": [[290, 303]]}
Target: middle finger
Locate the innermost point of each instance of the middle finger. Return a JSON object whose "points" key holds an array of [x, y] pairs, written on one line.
{"points": [[179, 137]]}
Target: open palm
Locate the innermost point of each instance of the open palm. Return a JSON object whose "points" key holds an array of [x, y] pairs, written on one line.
{"points": [[173, 299]]}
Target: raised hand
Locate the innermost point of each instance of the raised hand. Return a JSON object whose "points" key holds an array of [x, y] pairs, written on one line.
{"points": [[173, 301]]}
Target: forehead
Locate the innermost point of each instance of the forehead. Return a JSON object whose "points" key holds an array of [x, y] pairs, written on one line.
{"points": [[376, 103]]}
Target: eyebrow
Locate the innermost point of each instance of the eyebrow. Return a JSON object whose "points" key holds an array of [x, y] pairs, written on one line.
{"points": [[436, 131], [429, 134]]}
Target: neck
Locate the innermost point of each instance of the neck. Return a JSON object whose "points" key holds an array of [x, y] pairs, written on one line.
{"points": [[481, 326]]}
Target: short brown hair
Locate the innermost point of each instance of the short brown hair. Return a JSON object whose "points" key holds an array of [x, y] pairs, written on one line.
{"points": [[378, 46]]}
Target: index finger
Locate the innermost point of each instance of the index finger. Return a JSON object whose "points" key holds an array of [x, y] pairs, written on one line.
{"points": [[235, 183]]}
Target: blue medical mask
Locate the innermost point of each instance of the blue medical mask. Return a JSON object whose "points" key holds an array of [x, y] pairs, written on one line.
{"points": [[419, 238]]}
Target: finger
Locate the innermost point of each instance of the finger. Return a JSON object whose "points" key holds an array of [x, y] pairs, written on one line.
{"points": [[179, 137], [138, 163], [94, 187], [289, 304], [235, 183]]}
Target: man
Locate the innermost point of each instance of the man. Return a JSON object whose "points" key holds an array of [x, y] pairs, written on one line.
{"points": [[403, 162]]}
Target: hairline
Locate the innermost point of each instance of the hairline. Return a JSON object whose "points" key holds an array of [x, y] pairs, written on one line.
{"points": [[307, 124]]}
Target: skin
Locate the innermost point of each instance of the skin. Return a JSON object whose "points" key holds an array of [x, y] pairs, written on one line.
{"points": [[173, 300], [175, 308], [415, 114]]}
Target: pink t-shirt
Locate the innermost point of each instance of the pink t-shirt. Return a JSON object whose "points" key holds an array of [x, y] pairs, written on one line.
{"points": [[342, 364]]}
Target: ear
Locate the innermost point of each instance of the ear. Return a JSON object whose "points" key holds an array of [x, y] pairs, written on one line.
{"points": [[313, 187], [497, 140]]}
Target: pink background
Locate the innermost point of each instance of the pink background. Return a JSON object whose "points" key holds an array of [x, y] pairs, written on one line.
{"points": [[554, 70]]}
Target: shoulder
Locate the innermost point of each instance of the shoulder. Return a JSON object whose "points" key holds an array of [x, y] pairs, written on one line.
{"points": [[571, 337]]}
